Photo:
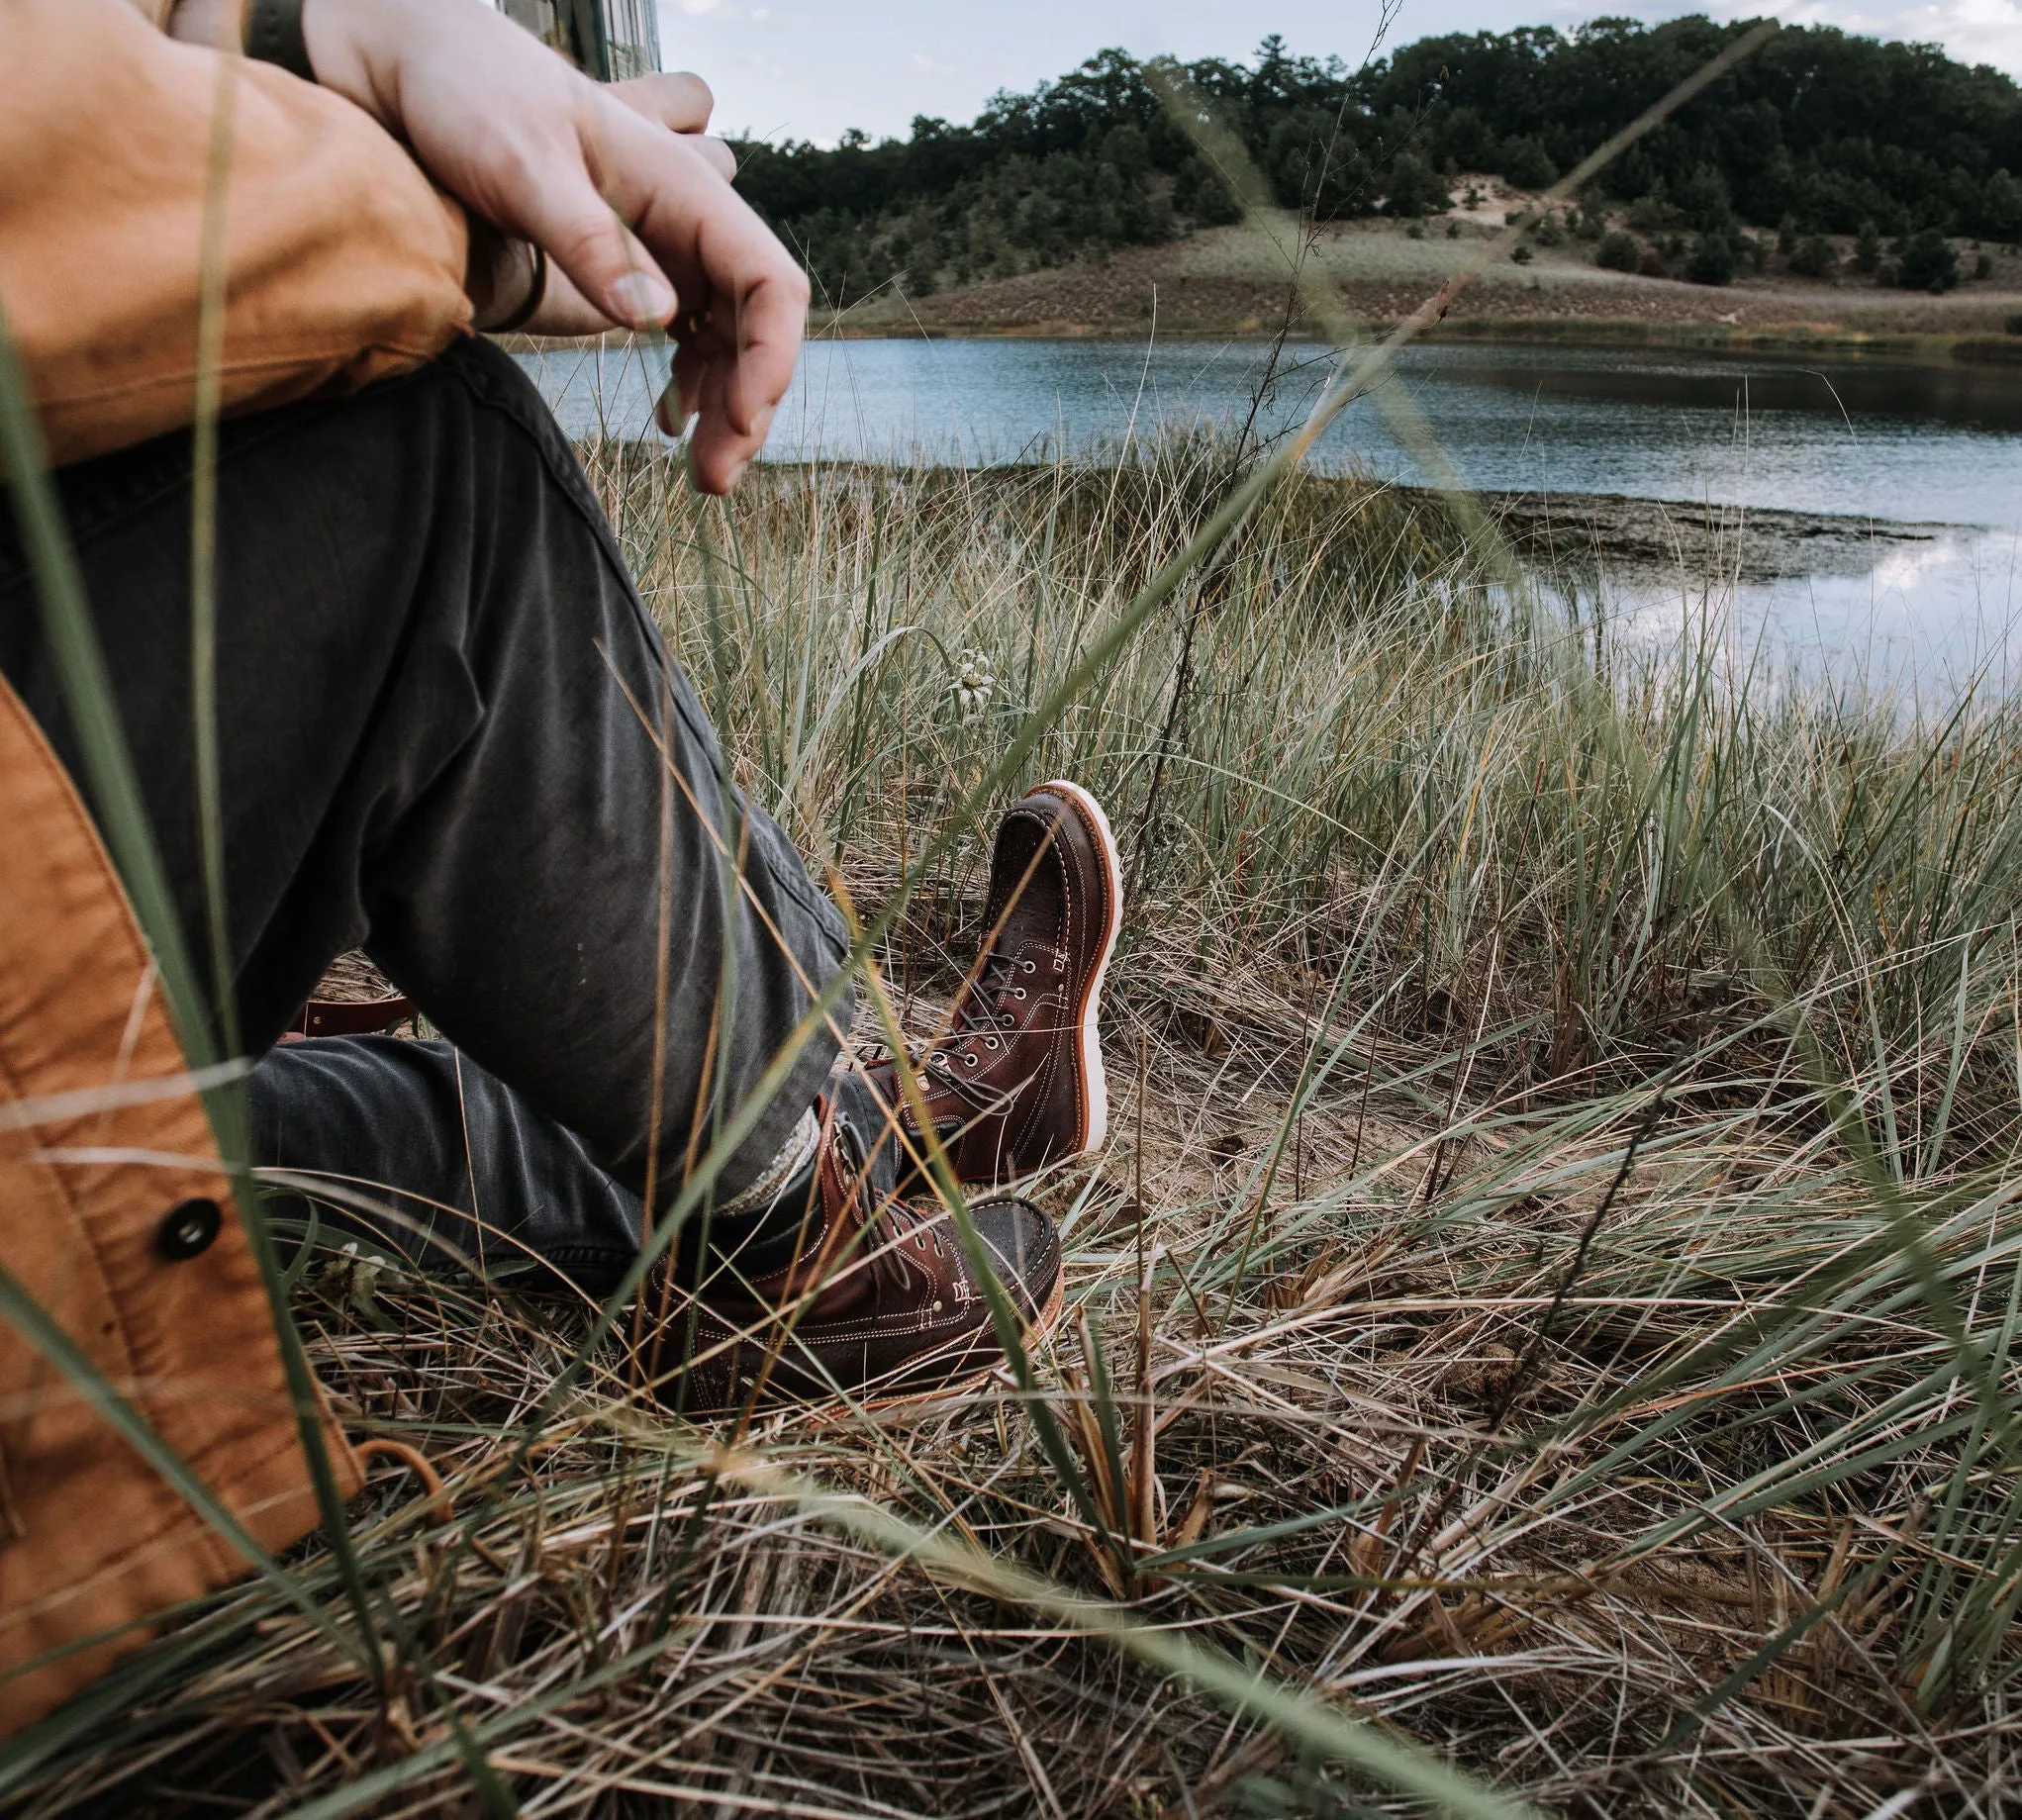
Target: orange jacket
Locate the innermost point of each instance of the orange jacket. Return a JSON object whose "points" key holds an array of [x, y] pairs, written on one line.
{"points": [[104, 1153], [342, 262]]}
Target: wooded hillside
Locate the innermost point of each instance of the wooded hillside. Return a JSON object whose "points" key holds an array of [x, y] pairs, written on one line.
{"points": [[1818, 132]]}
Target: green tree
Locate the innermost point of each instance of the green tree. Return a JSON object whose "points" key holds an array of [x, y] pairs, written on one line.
{"points": [[1814, 257], [1817, 134], [1415, 189], [1929, 262], [1620, 251], [1712, 259], [1526, 164], [1704, 201]]}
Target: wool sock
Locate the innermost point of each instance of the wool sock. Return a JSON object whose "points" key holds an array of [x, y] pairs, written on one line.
{"points": [[755, 1231]]}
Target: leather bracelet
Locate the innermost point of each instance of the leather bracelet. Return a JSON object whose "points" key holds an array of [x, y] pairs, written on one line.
{"points": [[273, 34], [537, 295]]}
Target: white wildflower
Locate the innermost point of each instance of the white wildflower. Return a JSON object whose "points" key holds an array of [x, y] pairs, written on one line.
{"points": [[974, 686]]}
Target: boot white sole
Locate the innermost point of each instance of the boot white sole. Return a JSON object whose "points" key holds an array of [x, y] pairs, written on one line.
{"points": [[1095, 1081]]}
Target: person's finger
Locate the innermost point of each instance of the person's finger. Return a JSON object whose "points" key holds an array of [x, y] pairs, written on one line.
{"points": [[584, 235], [718, 455], [683, 395], [677, 401], [719, 450], [771, 318], [709, 239], [759, 296], [679, 102], [722, 161]]}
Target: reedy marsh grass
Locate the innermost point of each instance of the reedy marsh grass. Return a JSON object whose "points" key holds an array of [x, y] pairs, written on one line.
{"points": [[1549, 1296], [1451, 889], [1641, 1483]]}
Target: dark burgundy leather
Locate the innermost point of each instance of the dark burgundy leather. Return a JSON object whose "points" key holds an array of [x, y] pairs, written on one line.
{"points": [[882, 1303], [351, 1017], [1016, 1082]]}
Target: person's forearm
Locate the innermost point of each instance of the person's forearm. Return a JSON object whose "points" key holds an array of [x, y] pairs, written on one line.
{"points": [[353, 44], [633, 206], [343, 263]]}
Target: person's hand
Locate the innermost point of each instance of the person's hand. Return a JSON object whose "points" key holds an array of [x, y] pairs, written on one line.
{"points": [[503, 272], [637, 219], [639, 223]]}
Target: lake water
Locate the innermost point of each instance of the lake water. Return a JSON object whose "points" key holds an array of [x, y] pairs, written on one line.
{"points": [[1941, 446]]}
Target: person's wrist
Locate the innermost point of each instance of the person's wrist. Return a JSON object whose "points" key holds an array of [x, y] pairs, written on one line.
{"points": [[506, 281], [355, 46]]}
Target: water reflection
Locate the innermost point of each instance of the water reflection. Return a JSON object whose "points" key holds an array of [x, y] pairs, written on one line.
{"points": [[1938, 444], [1924, 624], [1987, 398]]}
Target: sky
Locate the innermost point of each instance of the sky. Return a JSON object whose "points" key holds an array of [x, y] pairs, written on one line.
{"points": [[811, 68]]}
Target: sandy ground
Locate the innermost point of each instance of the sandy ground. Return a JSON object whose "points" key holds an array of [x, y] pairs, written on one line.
{"points": [[1234, 281]]}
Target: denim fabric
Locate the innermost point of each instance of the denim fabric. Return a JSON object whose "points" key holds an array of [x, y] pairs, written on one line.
{"points": [[435, 684], [420, 1152]]}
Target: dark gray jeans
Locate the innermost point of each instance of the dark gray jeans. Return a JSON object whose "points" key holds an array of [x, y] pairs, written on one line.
{"points": [[442, 709]]}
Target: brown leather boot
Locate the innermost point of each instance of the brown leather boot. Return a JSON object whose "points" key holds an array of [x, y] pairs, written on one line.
{"points": [[879, 1301], [1017, 1081]]}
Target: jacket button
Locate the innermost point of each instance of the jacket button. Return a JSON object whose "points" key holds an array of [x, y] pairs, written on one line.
{"points": [[189, 1228]]}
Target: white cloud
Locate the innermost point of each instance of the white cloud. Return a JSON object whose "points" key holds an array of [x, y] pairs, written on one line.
{"points": [[924, 65], [1973, 31]]}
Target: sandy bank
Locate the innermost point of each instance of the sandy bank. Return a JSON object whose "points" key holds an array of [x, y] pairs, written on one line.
{"points": [[1233, 282]]}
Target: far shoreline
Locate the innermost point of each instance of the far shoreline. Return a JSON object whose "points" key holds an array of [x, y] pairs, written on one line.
{"points": [[1227, 284], [1791, 341], [1794, 341]]}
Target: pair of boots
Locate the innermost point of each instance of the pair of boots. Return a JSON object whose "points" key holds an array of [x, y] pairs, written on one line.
{"points": [[880, 1296]]}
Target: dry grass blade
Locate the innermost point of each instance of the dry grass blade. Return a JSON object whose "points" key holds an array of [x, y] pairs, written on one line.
{"points": [[1412, 1445], [1722, 1445]]}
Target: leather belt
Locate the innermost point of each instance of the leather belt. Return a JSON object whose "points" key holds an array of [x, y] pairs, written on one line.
{"points": [[351, 1017]]}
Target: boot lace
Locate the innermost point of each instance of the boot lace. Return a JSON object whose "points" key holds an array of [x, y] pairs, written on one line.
{"points": [[986, 1014], [980, 1010]]}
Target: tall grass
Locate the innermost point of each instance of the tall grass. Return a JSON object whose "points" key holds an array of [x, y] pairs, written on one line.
{"points": [[1547, 1304], [1485, 1317], [1481, 899]]}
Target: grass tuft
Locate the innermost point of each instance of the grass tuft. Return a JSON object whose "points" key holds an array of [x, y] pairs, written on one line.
{"points": [[1483, 1320]]}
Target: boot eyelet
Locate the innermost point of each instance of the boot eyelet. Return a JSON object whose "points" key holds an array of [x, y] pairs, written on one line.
{"points": [[1030, 966], [970, 1058], [1017, 992], [991, 1042]]}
